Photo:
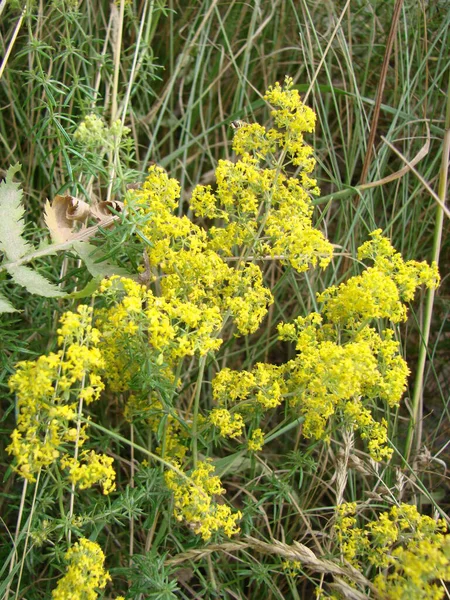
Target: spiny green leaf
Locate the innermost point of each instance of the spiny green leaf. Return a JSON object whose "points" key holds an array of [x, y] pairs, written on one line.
{"points": [[34, 282], [6, 306], [12, 212]]}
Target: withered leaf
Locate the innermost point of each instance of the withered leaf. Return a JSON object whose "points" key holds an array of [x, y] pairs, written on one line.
{"points": [[60, 215]]}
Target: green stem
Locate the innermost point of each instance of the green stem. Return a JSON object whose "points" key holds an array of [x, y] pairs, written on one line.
{"points": [[115, 92], [198, 389], [120, 438], [415, 425]]}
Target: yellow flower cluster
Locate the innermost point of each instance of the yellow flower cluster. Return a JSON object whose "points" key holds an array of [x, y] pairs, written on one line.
{"points": [[256, 441], [380, 291], [139, 324], [292, 567], [90, 469], [293, 119], [252, 393], [85, 573], [263, 208], [44, 388], [195, 290], [410, 551], [343, 365], [331, 376], [194, 502], [261, 388], [230, 425]]}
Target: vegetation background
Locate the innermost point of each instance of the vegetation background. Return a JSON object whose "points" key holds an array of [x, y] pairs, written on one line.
{"points": [[177, 73]]}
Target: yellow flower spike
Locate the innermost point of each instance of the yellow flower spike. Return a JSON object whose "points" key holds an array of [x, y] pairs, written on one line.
{"points": [[293, 118], [85, 573], [256, 441], [43, 388]]}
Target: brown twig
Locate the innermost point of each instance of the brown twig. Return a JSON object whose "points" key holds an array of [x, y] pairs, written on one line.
{"points": [[379, 97]]}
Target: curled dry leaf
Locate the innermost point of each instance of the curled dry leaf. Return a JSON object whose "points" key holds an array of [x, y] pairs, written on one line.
{"points": [[104, 209], [60, 215], [64, 212], [77, 210]]}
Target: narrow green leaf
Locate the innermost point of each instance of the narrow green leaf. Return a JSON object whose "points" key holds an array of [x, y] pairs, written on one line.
{"points": [[12, 212], [235, 463], [88, 289], [34, 282], [91, 256], [6, 306]]}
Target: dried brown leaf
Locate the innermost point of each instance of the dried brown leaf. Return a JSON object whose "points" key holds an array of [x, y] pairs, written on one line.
{"points": [[102, 209], [59, 226], [77, 210], [62, 214]]}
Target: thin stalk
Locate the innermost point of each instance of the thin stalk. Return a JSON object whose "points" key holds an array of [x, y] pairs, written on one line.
{"points": [[120, 438], [30, 519], [382, 82], [131, 486], [77, 444], [212, 577], [16, 535], [2, 5], [117, 56], [135, 59], [198, 389], [415, 425], [12, 42], [325, 52]]}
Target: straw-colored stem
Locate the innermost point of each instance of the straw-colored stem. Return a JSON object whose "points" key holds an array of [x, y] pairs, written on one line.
{"points": [[115, 91], [16, 535], [12, 42], [415, 426], [27, 537]]}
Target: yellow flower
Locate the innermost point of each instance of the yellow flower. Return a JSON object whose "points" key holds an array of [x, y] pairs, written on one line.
{"points": [[256, 441], [95, 468], [194, 502], [85, 573], [43, 389], [230, 425], [410, 551]]}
